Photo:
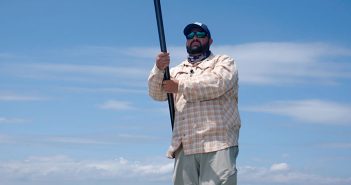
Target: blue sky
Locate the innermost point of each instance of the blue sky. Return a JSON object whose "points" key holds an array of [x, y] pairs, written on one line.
{"points": [[74, 107]]}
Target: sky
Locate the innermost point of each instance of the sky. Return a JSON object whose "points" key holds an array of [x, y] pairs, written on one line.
{"points": [[74, 104]]}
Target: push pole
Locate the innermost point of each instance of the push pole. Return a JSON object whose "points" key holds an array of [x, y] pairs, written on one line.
{"points": [[162, 39]]}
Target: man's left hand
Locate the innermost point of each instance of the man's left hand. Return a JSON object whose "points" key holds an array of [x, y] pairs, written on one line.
{"points": [[170, 86]]}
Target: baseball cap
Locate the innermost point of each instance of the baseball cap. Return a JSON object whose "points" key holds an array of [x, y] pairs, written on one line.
{"points": [[199, 25]]}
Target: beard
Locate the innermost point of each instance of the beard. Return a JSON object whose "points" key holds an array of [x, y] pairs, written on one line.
{"points": [[197, 49]]}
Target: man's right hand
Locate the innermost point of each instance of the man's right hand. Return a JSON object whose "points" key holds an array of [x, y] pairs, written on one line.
{"points": [[162, 60]]}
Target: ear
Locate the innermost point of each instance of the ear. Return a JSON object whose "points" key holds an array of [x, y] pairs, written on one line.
{"points": [[210, 41]]}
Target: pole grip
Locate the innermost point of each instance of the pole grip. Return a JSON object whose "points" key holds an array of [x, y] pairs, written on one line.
{"points": [[163, 47]]}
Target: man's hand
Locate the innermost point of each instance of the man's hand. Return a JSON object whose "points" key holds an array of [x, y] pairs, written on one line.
{"points": [[162, 60], [170, 86]]}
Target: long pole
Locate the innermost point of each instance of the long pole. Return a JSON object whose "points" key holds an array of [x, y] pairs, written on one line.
{"points": [[162, 39]]}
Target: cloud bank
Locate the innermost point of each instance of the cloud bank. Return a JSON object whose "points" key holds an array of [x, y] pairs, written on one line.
{"points": [[62, 169], [277, 63], [280, 173], [311, 111], [290, 62], [272, 63]]}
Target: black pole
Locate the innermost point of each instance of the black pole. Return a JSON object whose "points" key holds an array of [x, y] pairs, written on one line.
{"points": [[162, 39]]}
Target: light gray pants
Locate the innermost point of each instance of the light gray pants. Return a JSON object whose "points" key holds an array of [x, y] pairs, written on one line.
{"points": [[214, 168]]}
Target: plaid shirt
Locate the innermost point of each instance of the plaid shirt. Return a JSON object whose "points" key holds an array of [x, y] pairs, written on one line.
{"points": [[206, 105]]}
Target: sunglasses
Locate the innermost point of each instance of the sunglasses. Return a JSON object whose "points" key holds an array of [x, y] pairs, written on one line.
{"points": [[199, 34]]}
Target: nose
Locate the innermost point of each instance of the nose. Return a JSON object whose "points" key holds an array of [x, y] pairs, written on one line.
{"points": [[195, 37]]}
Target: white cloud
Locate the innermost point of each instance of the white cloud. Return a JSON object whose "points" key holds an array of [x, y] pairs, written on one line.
{"points": [[7, 120], [276, 62], [98, 139], [105, 90], [59, 169], [75, 140], [313, 111], [87, 73], [16, 97], [87, 69], [92, 140], [116, 105], [280, 173], [336, 145], [259, 63], [289, 62], [134, 137], [279, 167], [81, 72]]}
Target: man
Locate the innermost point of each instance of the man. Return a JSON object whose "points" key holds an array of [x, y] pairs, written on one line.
{"points": [[207, 121]]}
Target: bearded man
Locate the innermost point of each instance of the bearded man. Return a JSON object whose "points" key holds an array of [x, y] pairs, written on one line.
{"points": [[207, 121]]}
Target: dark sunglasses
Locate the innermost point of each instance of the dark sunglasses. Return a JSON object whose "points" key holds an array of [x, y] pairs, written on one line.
{"points": [[199, 34]]}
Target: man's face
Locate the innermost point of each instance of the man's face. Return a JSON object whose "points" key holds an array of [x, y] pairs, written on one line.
{"points": [[198, 44]]}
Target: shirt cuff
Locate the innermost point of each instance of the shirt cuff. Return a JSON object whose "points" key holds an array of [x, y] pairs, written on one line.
{"points": [[156, 70]]}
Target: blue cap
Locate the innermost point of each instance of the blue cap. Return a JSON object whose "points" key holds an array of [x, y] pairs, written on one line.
{"points": [[199, 25]]}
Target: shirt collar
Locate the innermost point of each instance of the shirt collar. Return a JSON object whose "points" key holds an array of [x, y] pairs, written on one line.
{"points": [[201, 64], [193, 59]]}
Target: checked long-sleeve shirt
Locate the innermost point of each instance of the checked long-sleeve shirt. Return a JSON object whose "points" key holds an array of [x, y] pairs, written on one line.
{"points": [[206, 104]]}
